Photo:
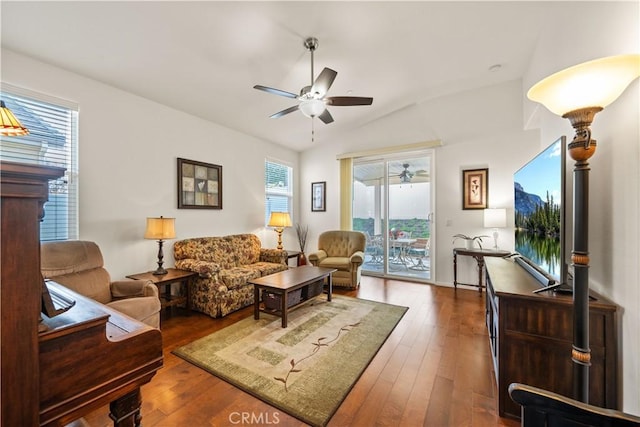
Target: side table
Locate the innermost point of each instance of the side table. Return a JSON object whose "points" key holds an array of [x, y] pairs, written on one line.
{"points": [[164, 281], [478, 255], [293, 254]]}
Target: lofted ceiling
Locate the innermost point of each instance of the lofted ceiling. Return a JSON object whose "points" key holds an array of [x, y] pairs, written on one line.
{"points": [[204, 58]]}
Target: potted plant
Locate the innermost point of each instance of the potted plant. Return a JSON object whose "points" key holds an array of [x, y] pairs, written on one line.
{"points": [[470, 241], [302, 232]]}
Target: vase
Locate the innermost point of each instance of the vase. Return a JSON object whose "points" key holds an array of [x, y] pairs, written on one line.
{"points": [[302, 259], [470, 244]]}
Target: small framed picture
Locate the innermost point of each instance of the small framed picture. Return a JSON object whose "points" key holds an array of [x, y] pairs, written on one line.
{"points": [[475, 188], [199, 185], [318, 196]]}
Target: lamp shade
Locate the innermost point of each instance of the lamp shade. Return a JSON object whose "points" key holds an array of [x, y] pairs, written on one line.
{"points": [[495, 218], [160, 228], [10, 125], [312, 107], [594, 83], [279, 220]]}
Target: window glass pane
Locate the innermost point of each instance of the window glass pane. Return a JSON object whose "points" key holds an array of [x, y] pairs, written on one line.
{"points": [[52, 141], [278, 189]]}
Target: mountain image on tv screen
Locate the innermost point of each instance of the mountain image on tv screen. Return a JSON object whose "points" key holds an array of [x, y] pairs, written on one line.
{"points": [[538, 188]]}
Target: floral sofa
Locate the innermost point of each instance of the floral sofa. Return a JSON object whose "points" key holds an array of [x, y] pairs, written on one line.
{"points": [[224, 265]]}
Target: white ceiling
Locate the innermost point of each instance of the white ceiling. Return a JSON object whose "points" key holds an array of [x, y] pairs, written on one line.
{"points": [[205, 57]]}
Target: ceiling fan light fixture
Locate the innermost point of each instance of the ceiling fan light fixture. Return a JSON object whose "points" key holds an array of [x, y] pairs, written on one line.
{"points": [[312, 107]]}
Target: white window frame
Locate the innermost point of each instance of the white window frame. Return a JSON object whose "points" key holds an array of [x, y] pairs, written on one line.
{"points": [[56, 118], [285, 190]]}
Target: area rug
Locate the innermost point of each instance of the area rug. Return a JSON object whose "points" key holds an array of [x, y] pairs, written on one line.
{"points": [[307, 369]]}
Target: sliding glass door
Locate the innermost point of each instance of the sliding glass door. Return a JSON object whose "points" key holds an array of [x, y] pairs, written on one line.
{"points": [[392, 205]]}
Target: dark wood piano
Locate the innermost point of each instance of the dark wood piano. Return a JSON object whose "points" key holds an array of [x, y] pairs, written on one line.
{"points": [[56, 369]]}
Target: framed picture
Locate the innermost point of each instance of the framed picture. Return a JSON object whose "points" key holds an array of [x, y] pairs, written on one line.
{"points": [[318, 196], [199, 185], [475, 185]]}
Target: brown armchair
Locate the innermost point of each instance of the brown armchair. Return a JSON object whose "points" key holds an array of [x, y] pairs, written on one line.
{"points": [[344, 251], [78, 265]]}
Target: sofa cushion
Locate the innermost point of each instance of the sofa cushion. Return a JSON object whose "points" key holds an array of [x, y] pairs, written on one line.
{"points": [[238, 276], [203, 268], [336, 262], [266, 268], [226, 251]]}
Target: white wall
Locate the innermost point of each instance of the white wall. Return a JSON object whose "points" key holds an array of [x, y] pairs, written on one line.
{"points": [[128, 167]]}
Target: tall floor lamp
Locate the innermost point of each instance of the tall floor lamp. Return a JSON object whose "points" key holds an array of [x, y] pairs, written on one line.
{"points": [[577, 94]]}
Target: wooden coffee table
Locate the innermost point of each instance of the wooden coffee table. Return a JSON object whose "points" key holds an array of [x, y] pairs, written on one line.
{"points": [[286, 282]]}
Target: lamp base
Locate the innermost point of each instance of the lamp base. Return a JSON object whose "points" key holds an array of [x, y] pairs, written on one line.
{"points": [[160, 271]]}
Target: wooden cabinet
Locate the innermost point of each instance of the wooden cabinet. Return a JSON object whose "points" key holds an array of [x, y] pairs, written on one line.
{"points": [[531, 338]]}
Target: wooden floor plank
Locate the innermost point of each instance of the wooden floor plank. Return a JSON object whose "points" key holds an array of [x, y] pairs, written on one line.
{"points": [[435, 369]]}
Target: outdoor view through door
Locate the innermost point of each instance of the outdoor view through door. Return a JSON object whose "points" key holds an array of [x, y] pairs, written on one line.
{"points": [[392, 205]]}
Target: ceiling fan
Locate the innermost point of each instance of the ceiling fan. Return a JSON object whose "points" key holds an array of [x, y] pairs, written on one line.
{"points": [[406, 175], [312, 99]]}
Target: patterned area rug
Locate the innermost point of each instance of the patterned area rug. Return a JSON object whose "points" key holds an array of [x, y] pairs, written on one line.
{"points": [[307, 369]]}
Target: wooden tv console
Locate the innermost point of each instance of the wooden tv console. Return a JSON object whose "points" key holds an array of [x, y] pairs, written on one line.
{"points": [[531, 338]]}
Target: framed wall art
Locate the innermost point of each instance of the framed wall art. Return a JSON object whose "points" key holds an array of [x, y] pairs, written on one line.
{"points": [[318, 196], [475, 188], [199, 185]]}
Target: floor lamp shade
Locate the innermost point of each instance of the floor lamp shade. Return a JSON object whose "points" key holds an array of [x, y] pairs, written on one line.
{"points": [[591, 84], [160, 229], [578, 94], [279, 220]]}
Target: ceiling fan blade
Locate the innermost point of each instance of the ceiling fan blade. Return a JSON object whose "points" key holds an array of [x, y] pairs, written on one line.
{"points": [[276, 91], [283, 112], [326, 117], [323, 82], [345, 101]]}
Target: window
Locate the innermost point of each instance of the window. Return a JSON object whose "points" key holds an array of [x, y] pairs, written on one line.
{"points": [[278, 189], [52, 141]]}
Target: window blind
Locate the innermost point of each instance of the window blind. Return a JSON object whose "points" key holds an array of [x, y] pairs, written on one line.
{"points": [[278, 189], [52, 141]]}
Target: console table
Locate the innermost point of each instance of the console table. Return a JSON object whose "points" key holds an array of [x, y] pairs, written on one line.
{"points": [[478, 255], [530, 335]]}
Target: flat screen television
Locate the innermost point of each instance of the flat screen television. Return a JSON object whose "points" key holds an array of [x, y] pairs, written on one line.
{"points": [[540, 226]]}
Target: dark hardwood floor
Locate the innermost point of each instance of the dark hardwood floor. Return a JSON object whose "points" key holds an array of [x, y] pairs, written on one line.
{"points": [[435, 369]]}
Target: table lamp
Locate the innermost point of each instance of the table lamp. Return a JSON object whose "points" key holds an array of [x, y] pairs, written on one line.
{"points": [[279, 220], [495, 218], [160, 229], [578, 93]]}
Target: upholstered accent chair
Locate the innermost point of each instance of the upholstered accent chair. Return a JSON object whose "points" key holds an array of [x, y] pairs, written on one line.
{"points": [[344, 251], [79, 266]]}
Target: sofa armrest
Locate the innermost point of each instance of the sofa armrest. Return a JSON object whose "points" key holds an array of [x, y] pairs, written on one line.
{"points": [[203, 268], [357, 258], [316, 257], [277, 256], [121, 289]]}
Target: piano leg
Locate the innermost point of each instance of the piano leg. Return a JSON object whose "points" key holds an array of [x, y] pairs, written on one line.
{"points": [[125, 411]]}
